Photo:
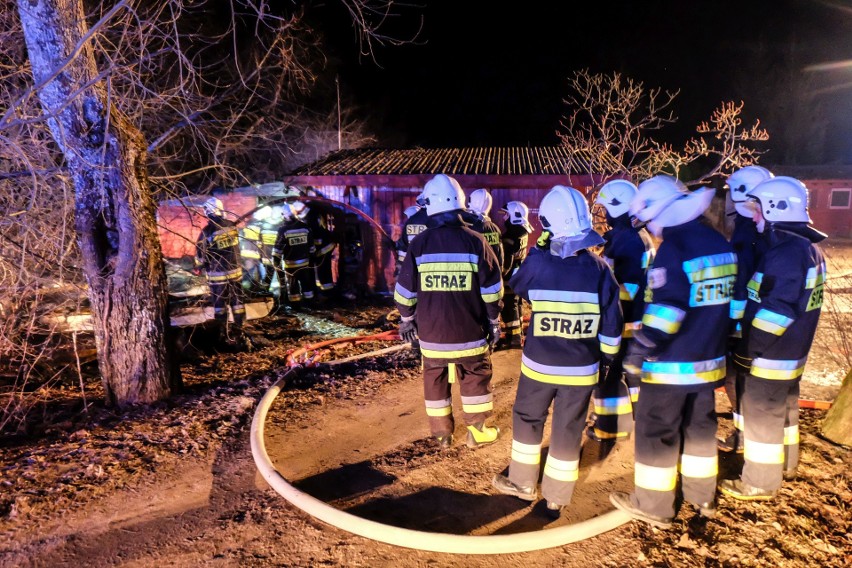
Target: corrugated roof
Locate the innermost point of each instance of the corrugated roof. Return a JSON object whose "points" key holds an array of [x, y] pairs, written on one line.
{"points": [[497, 161]]}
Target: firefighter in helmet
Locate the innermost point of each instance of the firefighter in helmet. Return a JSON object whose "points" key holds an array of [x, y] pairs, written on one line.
{"points": [[324, 245], [679, 352], [785, 296], [575, 323], [749, 247], [515, 239], [218, 253], [292, 257], [629, 251], [448, 293], [477, 214], [416, 221]]}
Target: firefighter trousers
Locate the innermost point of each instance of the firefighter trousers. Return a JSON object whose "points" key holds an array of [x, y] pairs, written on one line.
{"points": [[300, 283], [562, 466], [324, 278], [474, 377], [511, 312], [228, 293], [771, 418], [675, 429], [614, 400]]}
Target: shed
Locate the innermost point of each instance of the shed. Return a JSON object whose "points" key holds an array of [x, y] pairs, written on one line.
{"points": [[382, 183], [830, 198]]}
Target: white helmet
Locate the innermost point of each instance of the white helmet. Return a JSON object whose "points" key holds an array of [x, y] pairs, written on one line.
{"points": [[300, 210], [564, 212], [410, 211], [213, 207], [744, 180], [519, 214], [664, 201], [782, 199], [615, 195], [262, 214], [443, 193], [480, 202]]}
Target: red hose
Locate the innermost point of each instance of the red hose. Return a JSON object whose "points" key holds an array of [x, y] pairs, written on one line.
{"points": [[311, 354]]}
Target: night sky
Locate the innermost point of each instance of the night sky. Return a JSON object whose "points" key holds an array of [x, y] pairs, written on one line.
{"points": [[482, 75]]}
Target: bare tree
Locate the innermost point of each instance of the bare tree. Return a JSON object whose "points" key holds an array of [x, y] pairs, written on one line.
{"points": [[617, 122], [108, 110]]}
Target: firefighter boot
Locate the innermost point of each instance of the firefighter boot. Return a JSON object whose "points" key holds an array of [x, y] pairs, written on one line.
{"points": [[622, 501], [445, 442], [554, 509], [743, 491], [507, 487], [707, 510], [733, 443], [481, 435]]}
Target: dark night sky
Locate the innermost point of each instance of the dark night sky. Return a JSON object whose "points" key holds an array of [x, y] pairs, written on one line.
{"points": [[482, 75]]}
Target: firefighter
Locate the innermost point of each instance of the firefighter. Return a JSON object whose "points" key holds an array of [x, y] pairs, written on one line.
{"points": [[250, 253], [749, 248], [324, 245], [785, 297], [417, 221], [478, 211], [629, 251], [515, 239], [268, 235], [218, 253], [449, 294], [292, 257], [680, 353], [575, 322]]}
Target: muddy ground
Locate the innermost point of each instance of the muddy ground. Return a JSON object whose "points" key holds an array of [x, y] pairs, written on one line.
{"points": [[175, 484]]}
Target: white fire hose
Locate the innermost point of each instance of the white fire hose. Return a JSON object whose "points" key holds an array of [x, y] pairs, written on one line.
{"points": [[408, 538]]}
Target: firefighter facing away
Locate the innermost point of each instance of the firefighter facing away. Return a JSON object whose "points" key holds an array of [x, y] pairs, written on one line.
{"points": [[292, 257], [218, 253], [515, 239], [785, 297], [575, 322], [448, 293], [749, 247], [680, 353], [629, 251], [478, 211]]}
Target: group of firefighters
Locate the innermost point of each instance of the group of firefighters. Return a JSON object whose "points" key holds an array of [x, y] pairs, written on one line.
{"points": [[289, 242], [647, 334]]}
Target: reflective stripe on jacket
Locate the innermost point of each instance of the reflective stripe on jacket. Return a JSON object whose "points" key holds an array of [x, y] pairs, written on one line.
{"points": [[575, 316], [784, 305], [686, 320], [450, 284]]}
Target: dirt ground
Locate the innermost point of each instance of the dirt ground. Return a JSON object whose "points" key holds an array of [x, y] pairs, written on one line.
{"points": [[175, 484]]}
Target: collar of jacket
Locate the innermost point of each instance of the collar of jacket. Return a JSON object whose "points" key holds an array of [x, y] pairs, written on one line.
{"points": [[802, 230], [452, 218], [620, 222], [570, 246], [670, 231]]}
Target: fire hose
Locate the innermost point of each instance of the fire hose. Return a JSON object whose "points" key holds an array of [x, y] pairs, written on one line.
{"points": [[312, 355], [421, 540]]}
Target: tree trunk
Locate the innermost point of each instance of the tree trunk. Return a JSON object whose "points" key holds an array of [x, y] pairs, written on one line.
{"points": [[837, 425], [114, 211]]}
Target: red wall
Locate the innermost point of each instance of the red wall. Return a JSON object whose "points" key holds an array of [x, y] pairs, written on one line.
{"points": [[179, 224], [835, 222]]}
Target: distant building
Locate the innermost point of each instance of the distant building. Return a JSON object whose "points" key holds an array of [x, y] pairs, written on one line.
{"points": [[383, 183], [830, 195]]}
